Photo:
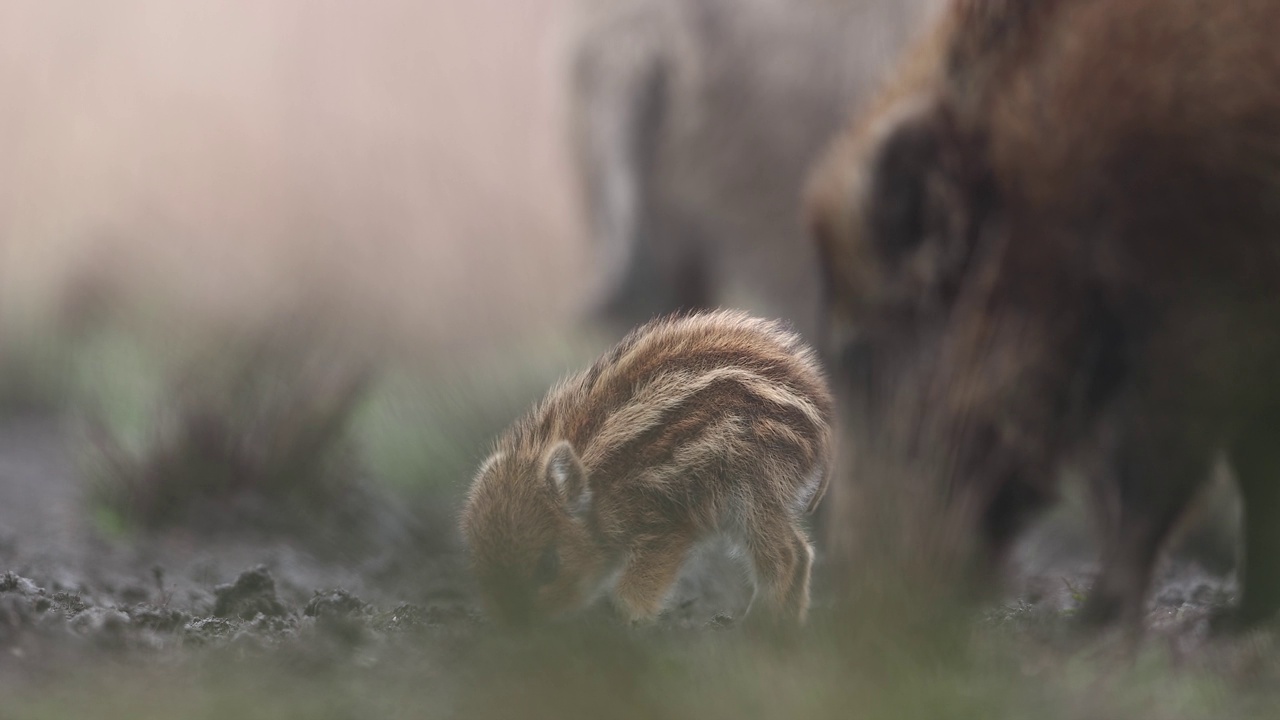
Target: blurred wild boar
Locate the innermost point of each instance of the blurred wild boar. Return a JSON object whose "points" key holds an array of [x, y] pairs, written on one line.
{"points": [[693, 124], [1061, 227]]}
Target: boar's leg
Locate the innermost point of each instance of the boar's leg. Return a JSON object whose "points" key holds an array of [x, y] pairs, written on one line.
{"points": [[648, 251], [1015, 504], [650, 571], [665, 272], [1256, 457], [1162, 460]]}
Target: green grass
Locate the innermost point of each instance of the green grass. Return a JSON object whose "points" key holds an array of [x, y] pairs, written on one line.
{"points": [[428, 429], [266, 419], [704, 675], [35, 368]]}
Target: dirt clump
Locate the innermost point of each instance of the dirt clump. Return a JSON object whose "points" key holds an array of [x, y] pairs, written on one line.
{"points": [[335, 603], [252, 593]]}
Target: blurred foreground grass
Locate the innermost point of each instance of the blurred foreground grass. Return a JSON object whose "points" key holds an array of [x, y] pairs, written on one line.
{"points": [[871, 671]]}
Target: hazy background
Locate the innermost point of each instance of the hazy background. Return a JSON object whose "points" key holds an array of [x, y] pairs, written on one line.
{"points": [[174, 173], [231, 159]]}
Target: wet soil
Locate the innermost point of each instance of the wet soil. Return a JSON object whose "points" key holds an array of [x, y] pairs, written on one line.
{"points": [[71, 594], [66, 583]]}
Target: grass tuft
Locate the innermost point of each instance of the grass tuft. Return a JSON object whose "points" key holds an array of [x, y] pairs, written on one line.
{"points": [[258, 435]]}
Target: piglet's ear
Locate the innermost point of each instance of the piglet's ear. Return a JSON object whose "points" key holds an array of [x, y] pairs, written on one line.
{"points": [[567, 477]]}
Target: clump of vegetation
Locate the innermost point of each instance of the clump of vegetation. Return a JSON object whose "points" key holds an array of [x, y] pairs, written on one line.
{"points": [[257, 436]]}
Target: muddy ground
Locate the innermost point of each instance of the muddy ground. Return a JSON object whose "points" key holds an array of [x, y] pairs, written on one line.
{"points": [[74, 593], [175, 587], [180, 623]]}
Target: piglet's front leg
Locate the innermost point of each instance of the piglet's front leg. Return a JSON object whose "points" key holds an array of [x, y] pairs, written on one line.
{"points": [[651, 569]]}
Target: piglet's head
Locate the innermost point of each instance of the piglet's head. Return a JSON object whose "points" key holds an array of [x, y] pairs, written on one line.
{"points": [[524, 525]]}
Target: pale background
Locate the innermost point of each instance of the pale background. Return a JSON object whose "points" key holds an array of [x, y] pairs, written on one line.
{"points": [[235, 158]]}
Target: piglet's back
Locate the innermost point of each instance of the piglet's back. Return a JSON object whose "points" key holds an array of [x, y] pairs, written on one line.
{"points": [[691, 398]]}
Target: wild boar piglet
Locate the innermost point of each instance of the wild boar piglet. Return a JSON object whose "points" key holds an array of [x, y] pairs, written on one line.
{"points": [[715, 424]]}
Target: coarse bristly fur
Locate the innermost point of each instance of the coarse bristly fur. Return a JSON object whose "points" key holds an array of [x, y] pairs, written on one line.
{"points": [[1063, 221], [715, 423]]}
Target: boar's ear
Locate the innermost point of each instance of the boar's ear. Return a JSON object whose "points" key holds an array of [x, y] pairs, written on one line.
{"points": [[906, 165], [928, 193], [567, 477]]}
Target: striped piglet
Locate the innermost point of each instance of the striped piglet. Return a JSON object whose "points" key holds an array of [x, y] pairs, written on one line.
{"points": [[691, 427]]}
